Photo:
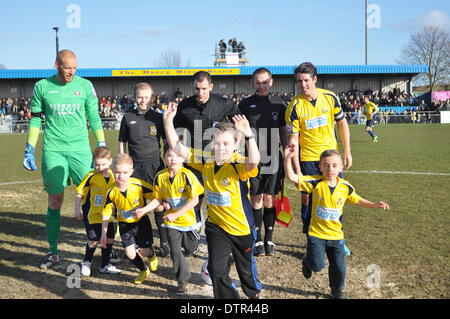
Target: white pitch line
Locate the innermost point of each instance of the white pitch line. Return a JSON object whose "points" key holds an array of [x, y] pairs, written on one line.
{"points": [[346, 172], [398, 172], [20, 182]]}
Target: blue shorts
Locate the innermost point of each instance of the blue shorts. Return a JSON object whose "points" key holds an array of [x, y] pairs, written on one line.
{"points": [[316, 249], [369, 123]]}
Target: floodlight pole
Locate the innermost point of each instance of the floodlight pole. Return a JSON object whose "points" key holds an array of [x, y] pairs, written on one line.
{"points": [[57, 40], [365, 29]]}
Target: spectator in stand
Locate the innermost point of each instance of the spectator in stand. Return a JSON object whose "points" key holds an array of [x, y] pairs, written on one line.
{"points": [[446, 105], [2, 112], [222, 48], [9, 103]]}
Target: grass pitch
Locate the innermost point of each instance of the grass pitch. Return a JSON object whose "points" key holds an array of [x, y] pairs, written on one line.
{"points": [[401, 253]]}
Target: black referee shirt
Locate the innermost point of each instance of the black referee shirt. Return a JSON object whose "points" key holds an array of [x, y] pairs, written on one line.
{"points": [[142, 132], [265, 112], [217, 109]]}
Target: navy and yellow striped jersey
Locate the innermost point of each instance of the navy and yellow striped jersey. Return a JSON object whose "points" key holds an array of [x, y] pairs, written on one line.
{"points": [[177, 191], [227, 193], [93, 189], [327, 205], [125, 203], [314, 122]]}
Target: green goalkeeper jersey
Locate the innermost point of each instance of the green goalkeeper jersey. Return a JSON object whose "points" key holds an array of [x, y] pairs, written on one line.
{"points": [[65, 107]]}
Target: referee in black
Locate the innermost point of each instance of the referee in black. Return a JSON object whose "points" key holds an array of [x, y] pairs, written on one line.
{"points": [[143, 130], [200, 112], [203, 110], [265, 114]]}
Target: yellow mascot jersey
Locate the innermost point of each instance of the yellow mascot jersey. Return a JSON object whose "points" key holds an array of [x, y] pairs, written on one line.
{"points": [[93, 189], [124, 204], [328, 204], [227, 193], [177, 191]]}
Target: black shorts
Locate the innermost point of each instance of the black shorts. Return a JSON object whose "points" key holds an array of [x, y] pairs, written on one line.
{"points": [[266, 183], [94, 231], [146, 171], [139, 233], [369, 123]]}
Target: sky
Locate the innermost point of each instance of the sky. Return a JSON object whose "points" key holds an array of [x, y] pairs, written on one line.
{"points": [[133, 34]]}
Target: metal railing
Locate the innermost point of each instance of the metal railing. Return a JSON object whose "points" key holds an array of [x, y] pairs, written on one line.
{"points": [[416, 117], [21, 126], [419, 117]]}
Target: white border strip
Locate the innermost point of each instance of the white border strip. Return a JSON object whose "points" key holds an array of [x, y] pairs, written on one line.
{"points": [[398, 172], [21, 182]]}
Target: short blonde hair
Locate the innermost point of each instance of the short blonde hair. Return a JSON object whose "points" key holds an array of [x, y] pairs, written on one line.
{"points": [[142, 86], [122, 158]]}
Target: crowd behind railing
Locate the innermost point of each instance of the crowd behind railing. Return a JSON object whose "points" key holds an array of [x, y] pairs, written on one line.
{"points": [[394, 107]]}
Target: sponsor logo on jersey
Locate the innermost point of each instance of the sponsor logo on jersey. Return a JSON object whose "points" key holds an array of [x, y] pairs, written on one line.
{"points": [[63, 109], [218, 199], [177, 202], [331, 214], [316, 122], [133, 122], [127, 214], [253, 106]]}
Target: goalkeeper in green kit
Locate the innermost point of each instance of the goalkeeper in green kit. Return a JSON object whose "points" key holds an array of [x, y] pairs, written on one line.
{"points": [[65, 100]]}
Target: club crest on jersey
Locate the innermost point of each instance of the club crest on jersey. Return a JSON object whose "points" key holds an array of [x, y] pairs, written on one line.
{"points": [[136, 201], [275, 116], [181, 190], [153, 130], [339, 201], [225, 181], [324, 110], [253, 106], [77, 93]]}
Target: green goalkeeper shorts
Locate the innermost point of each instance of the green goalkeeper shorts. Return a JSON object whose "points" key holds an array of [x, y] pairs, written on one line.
{"points": [[58, 168]]}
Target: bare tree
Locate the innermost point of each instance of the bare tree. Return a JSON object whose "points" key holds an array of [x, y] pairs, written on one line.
{"points": [[430, 46], [171, 59]]}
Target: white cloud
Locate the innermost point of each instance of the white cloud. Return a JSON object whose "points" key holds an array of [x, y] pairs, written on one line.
{"points": [[435, 18]]}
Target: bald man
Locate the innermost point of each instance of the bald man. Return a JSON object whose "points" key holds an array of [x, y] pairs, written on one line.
{"points": [[65, 100]]}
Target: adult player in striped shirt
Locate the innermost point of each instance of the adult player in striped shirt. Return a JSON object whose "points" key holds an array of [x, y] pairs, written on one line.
{"points": [[65, 100]]}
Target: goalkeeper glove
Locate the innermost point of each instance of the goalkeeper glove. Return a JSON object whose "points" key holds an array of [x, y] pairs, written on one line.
{"points": [[28, 159]]}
